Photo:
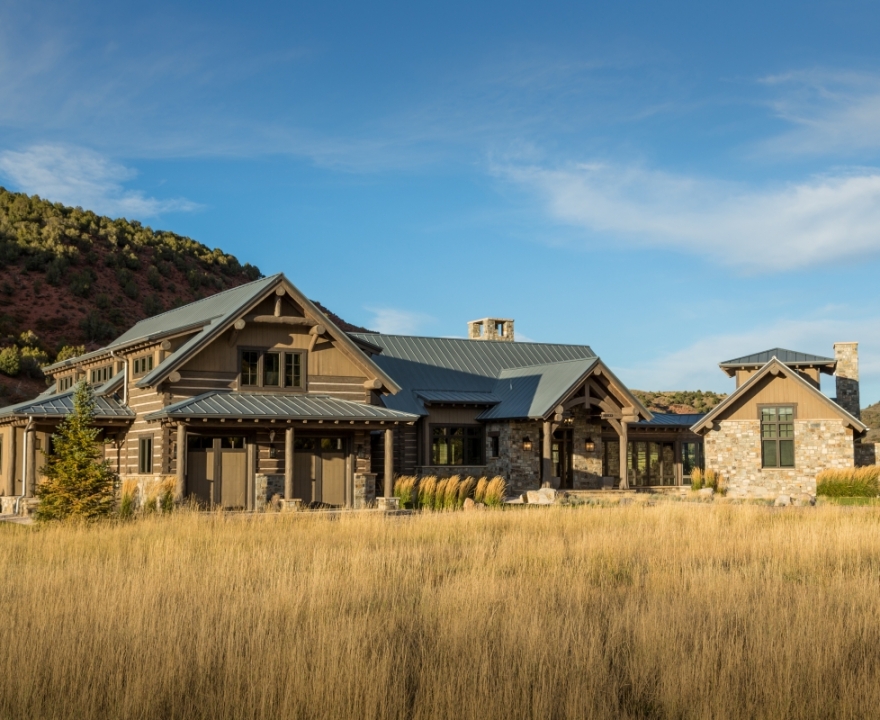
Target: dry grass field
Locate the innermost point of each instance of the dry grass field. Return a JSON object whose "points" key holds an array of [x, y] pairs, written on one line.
{"points": [[671, 611]]}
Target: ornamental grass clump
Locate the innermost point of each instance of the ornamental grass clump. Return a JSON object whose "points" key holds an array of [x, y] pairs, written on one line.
{"points": [[128, 499], [79, 482], [696, 479], [465, 490], [450, 496], [480, 490], [495, 492], [440, 494], [166, 489], [406, 490], [849, 482], [427, 491]]}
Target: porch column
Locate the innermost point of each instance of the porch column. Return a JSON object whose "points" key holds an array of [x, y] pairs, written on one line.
{"points": [[180, 489], [624, 482], [547, 453], [389, 462], [31, 475], [288, 464], [10, 463]]}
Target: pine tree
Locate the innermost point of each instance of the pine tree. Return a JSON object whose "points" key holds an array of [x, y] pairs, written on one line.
{"points": [[79, 482]]}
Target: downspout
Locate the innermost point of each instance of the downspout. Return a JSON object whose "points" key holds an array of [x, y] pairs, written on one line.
{"points": [[24, 466]]}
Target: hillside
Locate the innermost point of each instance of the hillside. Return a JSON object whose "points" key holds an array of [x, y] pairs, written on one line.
{"points": [[871, 418], [69, 277], [679, 402]]}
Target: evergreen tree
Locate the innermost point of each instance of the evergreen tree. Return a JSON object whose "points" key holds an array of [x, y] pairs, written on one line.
{"points": [[79, 482]]}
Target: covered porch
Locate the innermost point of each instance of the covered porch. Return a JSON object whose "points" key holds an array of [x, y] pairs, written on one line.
{"points": [[242, 450]]}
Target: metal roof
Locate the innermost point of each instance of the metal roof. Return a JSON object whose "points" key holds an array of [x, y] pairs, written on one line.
{"points": [[225, 404], [456, 365], [451, 396], [789, 357], [57, 406], [529, 392], [671, 420], [193, 316]]}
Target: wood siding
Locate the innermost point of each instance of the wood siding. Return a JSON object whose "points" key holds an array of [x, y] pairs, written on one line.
{"points": [[780, 390]]}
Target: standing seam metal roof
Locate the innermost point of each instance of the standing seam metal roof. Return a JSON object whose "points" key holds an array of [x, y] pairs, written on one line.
{"points": [[789, 357], [62, 405]]}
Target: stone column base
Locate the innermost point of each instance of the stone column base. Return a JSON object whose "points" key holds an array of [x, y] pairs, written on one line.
{"points": [[388, 504], [291, 505]]}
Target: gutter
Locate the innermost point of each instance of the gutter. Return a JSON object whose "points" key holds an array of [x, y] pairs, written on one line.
{"points": [[24, 465]]}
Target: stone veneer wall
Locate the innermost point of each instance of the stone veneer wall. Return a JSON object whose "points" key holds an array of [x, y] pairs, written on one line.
{"points": [[734, 450], [587, 466], [847, 377], [521, 468]]}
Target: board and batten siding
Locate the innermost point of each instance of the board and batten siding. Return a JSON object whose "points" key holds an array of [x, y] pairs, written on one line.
{"points": [[780, 390]]}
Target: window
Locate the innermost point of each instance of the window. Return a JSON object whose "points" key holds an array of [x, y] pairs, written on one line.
{"points": [[145, 455], [143, 364], [272, 369], [777, 437], [494, 446], [65, 383], [691, 457], [249, 362], [101, 374], [457, 445], [293, 370]]}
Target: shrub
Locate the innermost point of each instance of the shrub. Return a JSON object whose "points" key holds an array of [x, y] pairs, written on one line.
{"points": [[128, 499], [167, 488], [711, 479], [465, 490], [131, 289], [70, 351], [32, 361], [696, 479], [152, 305], [406, 490], [154, 278], [450, 495], [496, 490], [849, 482], [96, 328], [440, 494], [10, 361]]}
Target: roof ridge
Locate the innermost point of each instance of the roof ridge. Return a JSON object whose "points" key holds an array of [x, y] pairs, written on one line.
{"points": [[474, 342]]}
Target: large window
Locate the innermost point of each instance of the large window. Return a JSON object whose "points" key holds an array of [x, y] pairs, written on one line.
{"points": [[457, 445], [691, 457], [777, 437], [145, 455], [261, 368]]}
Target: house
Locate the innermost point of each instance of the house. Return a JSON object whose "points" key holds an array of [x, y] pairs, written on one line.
{"points": [[777, 430], [255, 393]]}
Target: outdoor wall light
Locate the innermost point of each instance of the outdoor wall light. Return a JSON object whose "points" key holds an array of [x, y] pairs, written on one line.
{"points": [[527, 444], [272, 451], [589, 445]]}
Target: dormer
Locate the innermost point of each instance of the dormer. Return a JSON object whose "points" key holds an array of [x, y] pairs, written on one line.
{"points": [[809, 367]]}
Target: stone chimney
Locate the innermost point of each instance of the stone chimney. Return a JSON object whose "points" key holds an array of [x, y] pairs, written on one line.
{"points": [[847, 372], [497, 329]]}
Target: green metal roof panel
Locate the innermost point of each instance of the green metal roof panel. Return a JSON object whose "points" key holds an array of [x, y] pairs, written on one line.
{"points": [[472, 366], [61, 405], [533, 391], [671, 420], [453, 396], [224, 404], [789, 357]]}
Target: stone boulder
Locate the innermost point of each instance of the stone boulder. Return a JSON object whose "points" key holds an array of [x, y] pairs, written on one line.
{"points": [[706, 492], [782, 501], [804, 500], [468, 504], [540, 497]]}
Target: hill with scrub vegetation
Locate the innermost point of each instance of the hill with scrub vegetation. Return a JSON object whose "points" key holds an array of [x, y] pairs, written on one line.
{"points": [[71, 280], [679, 402]]}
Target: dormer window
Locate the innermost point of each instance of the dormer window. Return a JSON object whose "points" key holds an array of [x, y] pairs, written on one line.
{"points": [[101, 374], [65, 383], [142, 365]]}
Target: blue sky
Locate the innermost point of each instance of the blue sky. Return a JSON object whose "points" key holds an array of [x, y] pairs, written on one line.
{"points": [[673, 183]]}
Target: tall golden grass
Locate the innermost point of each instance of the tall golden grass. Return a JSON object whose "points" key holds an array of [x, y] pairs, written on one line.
{"points": [[849, 482], [666, 611]]}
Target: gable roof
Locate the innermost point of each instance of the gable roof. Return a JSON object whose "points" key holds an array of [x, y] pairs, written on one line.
{"points": [[789, 357], [775, 364], [59, 406], [519, 379]]}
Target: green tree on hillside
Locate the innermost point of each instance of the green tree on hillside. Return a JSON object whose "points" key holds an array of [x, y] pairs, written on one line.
{"points": [[79, 482]]}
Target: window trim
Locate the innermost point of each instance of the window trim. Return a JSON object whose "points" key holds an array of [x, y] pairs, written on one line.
{"points": [[493, 439], [142, 439], [105, 370], [66, 382], [282, 353], [482, 459], [134, 361], [760, 408]]}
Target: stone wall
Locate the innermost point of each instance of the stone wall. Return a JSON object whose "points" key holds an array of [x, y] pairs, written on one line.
{"points": [[867, 453], [587, 466], [521, 468], [734, 450], [847, 377]]}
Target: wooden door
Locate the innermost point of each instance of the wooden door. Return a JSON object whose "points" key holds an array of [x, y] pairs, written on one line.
{"points": [[333, 471], [200, 470], [233, 478], [304, 469]]}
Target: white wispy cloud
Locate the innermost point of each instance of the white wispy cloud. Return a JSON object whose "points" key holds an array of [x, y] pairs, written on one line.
{"points": [[796, 225], [78, 176], [394, 321]]}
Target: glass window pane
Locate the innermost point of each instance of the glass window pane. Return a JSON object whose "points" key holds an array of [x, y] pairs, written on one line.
{"points": [[770, 454], [272, 369], [768, 431], [768, 414], [786, 453], [439, 449], [249, 367], [786, 430], [293, 370], [785, 414]]}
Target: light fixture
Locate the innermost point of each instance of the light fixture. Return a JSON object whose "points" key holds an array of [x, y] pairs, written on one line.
{"points": [[527, 444], [589, 445]]}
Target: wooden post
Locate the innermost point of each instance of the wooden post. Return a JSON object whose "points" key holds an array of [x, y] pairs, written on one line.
{"points": [[547, 453], [288, 464], [389, 462], [180, 489], [624, 482], [10, 463], [31, 444]]}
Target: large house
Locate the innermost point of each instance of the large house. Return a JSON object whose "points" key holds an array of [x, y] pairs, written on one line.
{"points": [[254, 393]]}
